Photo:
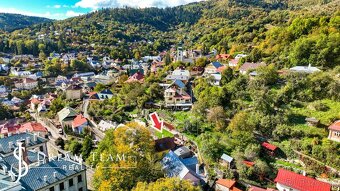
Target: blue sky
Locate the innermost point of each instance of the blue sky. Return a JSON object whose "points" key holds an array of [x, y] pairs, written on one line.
{"points": [[61, 9]]}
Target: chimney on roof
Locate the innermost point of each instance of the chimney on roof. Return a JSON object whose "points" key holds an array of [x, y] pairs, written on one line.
{"points": [[197, 169], [9, 134], [5, 169], [45, 178], [28, 140], [35, 137], [55, 174], [10, 145], [1, 148]]}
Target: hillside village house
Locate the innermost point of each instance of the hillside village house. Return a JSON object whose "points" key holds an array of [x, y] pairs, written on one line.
{"points": [[136, 77], [305, 69], [176, 96], [66, 116], [79, 124], [334, 131], [34, 127], [74, 92], [179, 74], [3, 89], [106, 125], [214, 67], [20, 72], [223, 57], [184, 168], [249, 66], [49, 175], [290, 181], [105, 94], [226, 185], [26, 84], [234, 62]]}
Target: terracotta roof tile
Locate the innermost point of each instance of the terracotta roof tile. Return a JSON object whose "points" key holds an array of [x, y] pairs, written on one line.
{"points": [[300, 182]]}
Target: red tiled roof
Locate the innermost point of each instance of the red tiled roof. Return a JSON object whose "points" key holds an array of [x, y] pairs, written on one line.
{"points": [[249, 66], [335, 126], [28, 80], [35, 101], [168, 125], [9, 128], [136, 77], [223, 56], [269, 146], [233, 61], [78, 121], [32, 127], [226, 182], [220, 69], [248, 163], [300, 182]]}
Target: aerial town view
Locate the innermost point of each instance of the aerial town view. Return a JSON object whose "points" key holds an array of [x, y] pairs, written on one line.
{"points": [[170, 95]]}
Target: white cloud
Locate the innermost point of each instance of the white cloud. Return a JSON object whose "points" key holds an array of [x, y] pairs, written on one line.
{"points": [[73, 14], [65, 6], [95, 4], [57, 6]]}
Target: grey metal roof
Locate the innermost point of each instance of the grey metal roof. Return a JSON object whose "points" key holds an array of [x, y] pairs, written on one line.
{"points": [[178, 83], [227, 158], [62, 169], [4, 142]]}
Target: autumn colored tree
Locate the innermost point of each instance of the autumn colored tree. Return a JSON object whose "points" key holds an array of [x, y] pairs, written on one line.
{"points": [[125, 157], [166, 184]]}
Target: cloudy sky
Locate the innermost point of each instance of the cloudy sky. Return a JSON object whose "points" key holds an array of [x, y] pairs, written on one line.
{"points": [[61, 9]]}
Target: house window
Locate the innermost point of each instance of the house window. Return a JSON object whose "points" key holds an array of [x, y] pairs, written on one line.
{"points": [[51, 189], [337, 133], [41, 148], [80, 189], [80, 178], [70, 182], [62, 186]]}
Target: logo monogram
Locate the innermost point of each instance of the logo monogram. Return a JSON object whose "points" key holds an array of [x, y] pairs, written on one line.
{"points": [[22, 163]]}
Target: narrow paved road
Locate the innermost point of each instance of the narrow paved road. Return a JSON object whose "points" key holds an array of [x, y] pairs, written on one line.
{"points": [[98, 134]]}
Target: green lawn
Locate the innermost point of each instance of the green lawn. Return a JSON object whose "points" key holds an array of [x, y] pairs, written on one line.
{"points": [[325, 117], [281, 163], [165, 133]]}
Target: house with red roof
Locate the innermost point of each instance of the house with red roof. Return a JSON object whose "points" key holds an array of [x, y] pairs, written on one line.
{"points": [[176, 95], [287, 180], [223, 57], [137, 77], [248, 163], [8, 128], [156, 66], [26, 84], [250, 66], [334, 131], [214, 67], [33, 127], [269, 148], [226, 185], [34, 103], [79, 124]]}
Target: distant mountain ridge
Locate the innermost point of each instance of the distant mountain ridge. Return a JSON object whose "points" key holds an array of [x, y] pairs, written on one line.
{"points": [[10, 22], [288, 33]]}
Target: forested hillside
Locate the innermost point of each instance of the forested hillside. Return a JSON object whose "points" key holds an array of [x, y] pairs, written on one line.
{"points": [[10, 22], [283, 32]]}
